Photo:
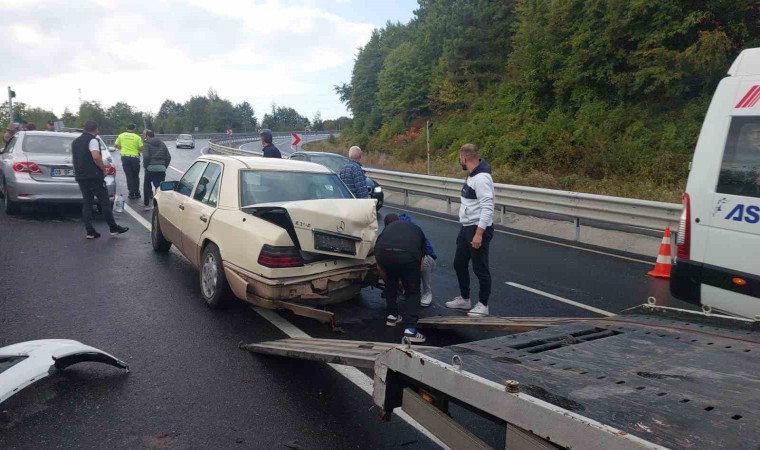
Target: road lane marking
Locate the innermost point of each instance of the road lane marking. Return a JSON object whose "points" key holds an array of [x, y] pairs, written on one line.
{"points": [[174, 168], [352, 374], [135, 215], [561, 299], [598, 252]]}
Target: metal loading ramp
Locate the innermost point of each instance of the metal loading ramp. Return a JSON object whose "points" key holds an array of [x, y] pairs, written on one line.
{"points": [[495, 323], [333, 351]]}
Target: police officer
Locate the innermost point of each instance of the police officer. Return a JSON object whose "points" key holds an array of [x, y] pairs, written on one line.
{"points": [[399, 251], [131, 145]]}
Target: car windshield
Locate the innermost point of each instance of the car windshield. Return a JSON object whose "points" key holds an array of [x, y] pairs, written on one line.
{"points": [[186, 137], [276, 186], [57, 145], [333, 163]]}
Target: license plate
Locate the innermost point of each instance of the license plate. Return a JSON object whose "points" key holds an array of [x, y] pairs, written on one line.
{"points": [[334, 244], [61, 172]]}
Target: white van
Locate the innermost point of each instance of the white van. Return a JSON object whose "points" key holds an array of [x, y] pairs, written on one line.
{"points": [[718, 245]]}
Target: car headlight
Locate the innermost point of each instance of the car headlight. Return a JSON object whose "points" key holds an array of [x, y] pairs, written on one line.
{"points": [[378, 189]]}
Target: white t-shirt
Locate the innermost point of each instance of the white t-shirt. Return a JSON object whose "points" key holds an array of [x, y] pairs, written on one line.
{"points": [[94, 145]]}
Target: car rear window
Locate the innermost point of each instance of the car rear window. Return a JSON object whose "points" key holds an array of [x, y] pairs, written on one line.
{"points": [[334, 163], [261, 186], [184, 136], [740, 170], [57, 145]]}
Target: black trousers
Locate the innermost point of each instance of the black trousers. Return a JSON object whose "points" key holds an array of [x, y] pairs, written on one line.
{"points": [[154, 179], [91, 189], [479, 257], [131, 167], [404, 267]]}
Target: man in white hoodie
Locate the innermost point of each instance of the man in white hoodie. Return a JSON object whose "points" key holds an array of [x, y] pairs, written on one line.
{"points": [[476, 217]]}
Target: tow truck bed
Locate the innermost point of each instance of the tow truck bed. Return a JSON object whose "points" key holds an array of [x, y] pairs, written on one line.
{"points": [[633, 381]]}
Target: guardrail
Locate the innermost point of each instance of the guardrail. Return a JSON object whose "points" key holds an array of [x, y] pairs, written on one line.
{"points": [[624, 212]]}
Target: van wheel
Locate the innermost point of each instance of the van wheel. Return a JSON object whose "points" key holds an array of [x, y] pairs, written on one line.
{"points": [[11, 208], [160, 243], [214, 286]]}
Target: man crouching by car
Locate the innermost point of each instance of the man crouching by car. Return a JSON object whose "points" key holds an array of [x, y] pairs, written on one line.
{"points": [[156, 159]]}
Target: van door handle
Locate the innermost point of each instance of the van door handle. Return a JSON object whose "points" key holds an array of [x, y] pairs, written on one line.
{"points": [[182, 207], [204, 218]]}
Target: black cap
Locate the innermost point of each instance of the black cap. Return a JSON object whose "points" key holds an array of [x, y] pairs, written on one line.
{"points": [[131, 127], [266, 135]]}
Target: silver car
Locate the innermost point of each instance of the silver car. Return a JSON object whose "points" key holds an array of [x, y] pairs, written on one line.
{"points": [[36, 167], [185, 141]]}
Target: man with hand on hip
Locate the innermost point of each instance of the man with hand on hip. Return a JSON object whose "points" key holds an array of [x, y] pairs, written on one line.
{"points": [[476, 217]]}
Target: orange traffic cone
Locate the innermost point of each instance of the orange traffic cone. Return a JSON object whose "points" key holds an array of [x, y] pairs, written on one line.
{"points": [[662, 267]]}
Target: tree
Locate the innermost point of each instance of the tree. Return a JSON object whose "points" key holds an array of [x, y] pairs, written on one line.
{"points": [[317, 124], [403, 84], [344, 92], [196, 114], [245, 118], [284, 119], [119, 116], [92, 110]]}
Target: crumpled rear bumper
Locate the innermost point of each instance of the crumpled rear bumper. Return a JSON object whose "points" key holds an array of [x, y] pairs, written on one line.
{"points": [[321, 289]]}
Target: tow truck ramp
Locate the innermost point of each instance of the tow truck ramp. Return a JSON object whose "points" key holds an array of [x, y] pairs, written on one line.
{"points": [[635, 381]]}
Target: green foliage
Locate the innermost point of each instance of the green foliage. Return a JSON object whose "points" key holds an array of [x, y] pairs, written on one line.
{"points": [[602, 89], [284, 119]]}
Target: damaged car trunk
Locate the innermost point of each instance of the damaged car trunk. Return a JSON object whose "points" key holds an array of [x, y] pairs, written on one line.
{"points": [[325, 229]]}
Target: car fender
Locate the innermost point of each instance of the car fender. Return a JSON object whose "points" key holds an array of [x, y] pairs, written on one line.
{"points": [[27, 362]]}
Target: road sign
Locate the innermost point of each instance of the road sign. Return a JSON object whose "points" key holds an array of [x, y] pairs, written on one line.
{"points": [[296, 139]]}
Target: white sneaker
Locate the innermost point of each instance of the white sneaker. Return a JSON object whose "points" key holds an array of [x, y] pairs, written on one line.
{"points": [[459, 303], [480, 310], [427, 299], [414, 336], [392, 321]]}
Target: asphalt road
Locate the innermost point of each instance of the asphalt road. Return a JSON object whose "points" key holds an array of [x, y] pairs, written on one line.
{"points": [[190, 386]]}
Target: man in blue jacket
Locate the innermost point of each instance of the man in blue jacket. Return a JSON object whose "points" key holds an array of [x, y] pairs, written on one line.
{"points": [[352, 174], [428, 264]]}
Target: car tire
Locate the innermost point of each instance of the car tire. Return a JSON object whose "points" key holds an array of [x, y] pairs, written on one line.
{"points": [[11, 208], [213, 282], [157, 239]]}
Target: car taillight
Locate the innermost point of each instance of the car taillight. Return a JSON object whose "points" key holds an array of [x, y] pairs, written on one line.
{"points": [[110, 170], [684, 230], [280, 257], [26, 167]]}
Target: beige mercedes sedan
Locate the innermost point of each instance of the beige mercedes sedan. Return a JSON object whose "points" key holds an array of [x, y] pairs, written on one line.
{"points": [[276, 233]]}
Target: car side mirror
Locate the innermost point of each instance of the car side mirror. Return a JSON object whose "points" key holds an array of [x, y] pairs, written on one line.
{"points": [[169, 185]]}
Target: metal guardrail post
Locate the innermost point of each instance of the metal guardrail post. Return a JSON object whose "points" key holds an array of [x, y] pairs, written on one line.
{"points": [[503, 214], [448, 205], [577, 221], [406, 197]]}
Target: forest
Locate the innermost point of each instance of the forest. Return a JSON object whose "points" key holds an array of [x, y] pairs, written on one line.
{"points": [[202, 114], [604, 96]]}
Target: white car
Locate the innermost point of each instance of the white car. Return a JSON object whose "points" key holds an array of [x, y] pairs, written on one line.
{"points": [[277, 233]]}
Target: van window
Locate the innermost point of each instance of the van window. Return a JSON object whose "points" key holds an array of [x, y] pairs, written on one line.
{"points": [[740, 170]]}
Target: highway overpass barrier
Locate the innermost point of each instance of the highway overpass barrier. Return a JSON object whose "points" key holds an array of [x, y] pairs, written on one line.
{"points": [[616, 213]]}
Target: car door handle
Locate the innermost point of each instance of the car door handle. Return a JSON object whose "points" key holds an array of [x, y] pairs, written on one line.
{"points": [[204, 218], [182, 207]]}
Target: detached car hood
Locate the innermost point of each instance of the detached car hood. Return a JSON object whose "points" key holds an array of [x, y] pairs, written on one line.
{"points": [[340, 227], [26, 362]]}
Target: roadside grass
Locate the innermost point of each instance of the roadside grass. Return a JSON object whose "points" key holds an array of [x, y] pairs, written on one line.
{"points": [[617, 187]]}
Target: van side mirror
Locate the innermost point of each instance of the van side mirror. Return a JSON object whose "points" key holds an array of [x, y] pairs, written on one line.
{"points": [[169, 185]]}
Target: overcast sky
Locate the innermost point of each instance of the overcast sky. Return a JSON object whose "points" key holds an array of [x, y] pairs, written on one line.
{"points": [[145, 51]]}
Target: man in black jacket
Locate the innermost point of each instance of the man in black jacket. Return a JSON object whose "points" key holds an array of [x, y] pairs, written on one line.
{"points": [[89, 172], [156, 159], [270, 151], [399, 250]]}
